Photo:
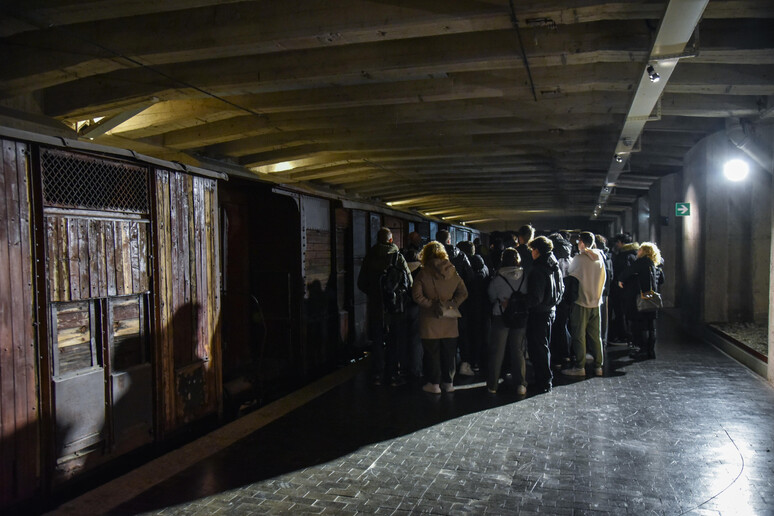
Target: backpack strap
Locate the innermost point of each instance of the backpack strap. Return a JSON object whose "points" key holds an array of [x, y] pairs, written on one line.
{"points": [[511, 286]]}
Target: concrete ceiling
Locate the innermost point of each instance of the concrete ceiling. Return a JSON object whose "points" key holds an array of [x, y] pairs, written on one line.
{"points": [[463, 109]]}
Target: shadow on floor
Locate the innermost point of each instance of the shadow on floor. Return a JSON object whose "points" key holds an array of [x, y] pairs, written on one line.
{"points": [[337, 423]]}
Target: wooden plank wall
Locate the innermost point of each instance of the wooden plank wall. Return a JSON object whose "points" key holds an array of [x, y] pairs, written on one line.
{"points": [[187, 296], [90, 258], [19, 421]]}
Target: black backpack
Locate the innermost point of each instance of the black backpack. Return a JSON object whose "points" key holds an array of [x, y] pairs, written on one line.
{"points": [[393, 284], [515, 314]]}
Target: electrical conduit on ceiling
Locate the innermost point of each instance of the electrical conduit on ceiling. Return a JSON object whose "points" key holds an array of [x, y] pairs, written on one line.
{"points": [[677, 26], [747, 143]]}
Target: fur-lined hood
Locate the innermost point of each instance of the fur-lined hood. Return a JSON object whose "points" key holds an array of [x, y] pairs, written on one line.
{"points": [[627, 248]]}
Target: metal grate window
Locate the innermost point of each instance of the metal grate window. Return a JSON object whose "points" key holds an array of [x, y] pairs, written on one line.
{"points": [[86, 182]]}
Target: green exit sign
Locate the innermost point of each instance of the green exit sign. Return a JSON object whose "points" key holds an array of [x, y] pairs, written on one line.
{"points": [[682, 209]]}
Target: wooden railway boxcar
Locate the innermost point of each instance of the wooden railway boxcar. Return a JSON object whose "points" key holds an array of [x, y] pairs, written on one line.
{"points": [[109, 306], [113, 271]]}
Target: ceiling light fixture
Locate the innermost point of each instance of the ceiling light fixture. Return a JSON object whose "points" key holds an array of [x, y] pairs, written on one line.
{"points": [[652, 73], [618, 158], [736, 170]]}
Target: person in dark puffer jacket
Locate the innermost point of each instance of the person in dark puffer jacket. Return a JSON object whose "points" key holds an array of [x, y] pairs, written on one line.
{"points": [[475, 311], [542, 296], [646, 273], [560, 333], [625, 255]]}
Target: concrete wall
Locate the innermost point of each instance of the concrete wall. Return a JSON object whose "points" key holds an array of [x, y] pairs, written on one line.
{"points": [[726, 241], [691, 290], [666, 232], [769, 137]]}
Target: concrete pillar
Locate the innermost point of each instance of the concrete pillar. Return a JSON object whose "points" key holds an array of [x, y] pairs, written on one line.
{"points": [[771, 292], [770, 139], [691, 286], [664, 231], [627, 221], [642, 219]]}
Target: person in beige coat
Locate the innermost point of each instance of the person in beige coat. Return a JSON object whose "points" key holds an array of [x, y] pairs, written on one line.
{"points": [[439, 291]]}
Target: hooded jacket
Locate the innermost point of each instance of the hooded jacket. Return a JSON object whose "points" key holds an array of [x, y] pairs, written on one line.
{"points": [[502, 286], [460, 262], [624, 258], [542, 284], [375, 262], [563, 253], [589, 268], [438, 285], [643, 276]]}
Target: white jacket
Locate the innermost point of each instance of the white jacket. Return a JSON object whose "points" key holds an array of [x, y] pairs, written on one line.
{"points": [[589, 268]]}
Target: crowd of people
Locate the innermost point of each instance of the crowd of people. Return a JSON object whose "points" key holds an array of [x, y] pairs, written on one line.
{"points": [[549, 302]]}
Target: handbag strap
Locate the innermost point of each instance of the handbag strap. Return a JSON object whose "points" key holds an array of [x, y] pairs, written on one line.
{"points": [[651, 279]]}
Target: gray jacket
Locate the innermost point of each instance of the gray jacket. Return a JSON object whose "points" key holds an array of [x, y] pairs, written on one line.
{"points": [[499, 291]]}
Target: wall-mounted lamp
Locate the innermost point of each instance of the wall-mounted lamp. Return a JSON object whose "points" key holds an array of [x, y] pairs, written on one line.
{"points": [[736, 169], [618, 158], [652, 74]]}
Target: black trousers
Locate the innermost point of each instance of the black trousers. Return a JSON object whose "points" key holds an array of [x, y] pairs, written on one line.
{"points": [[620, 327], [538, 339], [439, 360], [644, 335], [560, 334]]}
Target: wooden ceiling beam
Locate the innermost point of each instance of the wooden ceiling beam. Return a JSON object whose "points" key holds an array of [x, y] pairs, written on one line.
{"points": [[721, 79], [67, 12], [385, 60], [62, 13], [718, 106], [236, 128], [245, 29]]}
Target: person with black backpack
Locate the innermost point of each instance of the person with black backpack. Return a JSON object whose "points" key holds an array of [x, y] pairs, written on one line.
{"points": [[545, 289], [508, 296], [386, 279]]}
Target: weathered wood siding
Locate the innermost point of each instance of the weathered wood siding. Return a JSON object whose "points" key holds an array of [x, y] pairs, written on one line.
{"points": [[19, 420], [188, 296], [88, 258]]}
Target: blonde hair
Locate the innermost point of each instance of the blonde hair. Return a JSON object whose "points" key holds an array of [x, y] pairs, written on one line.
{"points": [[650, 250], [433, 250]]}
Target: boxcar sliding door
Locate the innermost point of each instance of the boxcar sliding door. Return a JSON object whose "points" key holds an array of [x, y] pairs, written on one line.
{"points": [[97, 225]]}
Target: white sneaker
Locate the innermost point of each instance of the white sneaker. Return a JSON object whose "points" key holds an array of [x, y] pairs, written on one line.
{"points": [[521, 390], [466, 370], [574, 371], [432, 388], [599, 372], [447, 387]]}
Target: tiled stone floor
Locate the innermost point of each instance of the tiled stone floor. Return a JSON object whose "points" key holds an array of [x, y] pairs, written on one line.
{"points": [[689, 433]]}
